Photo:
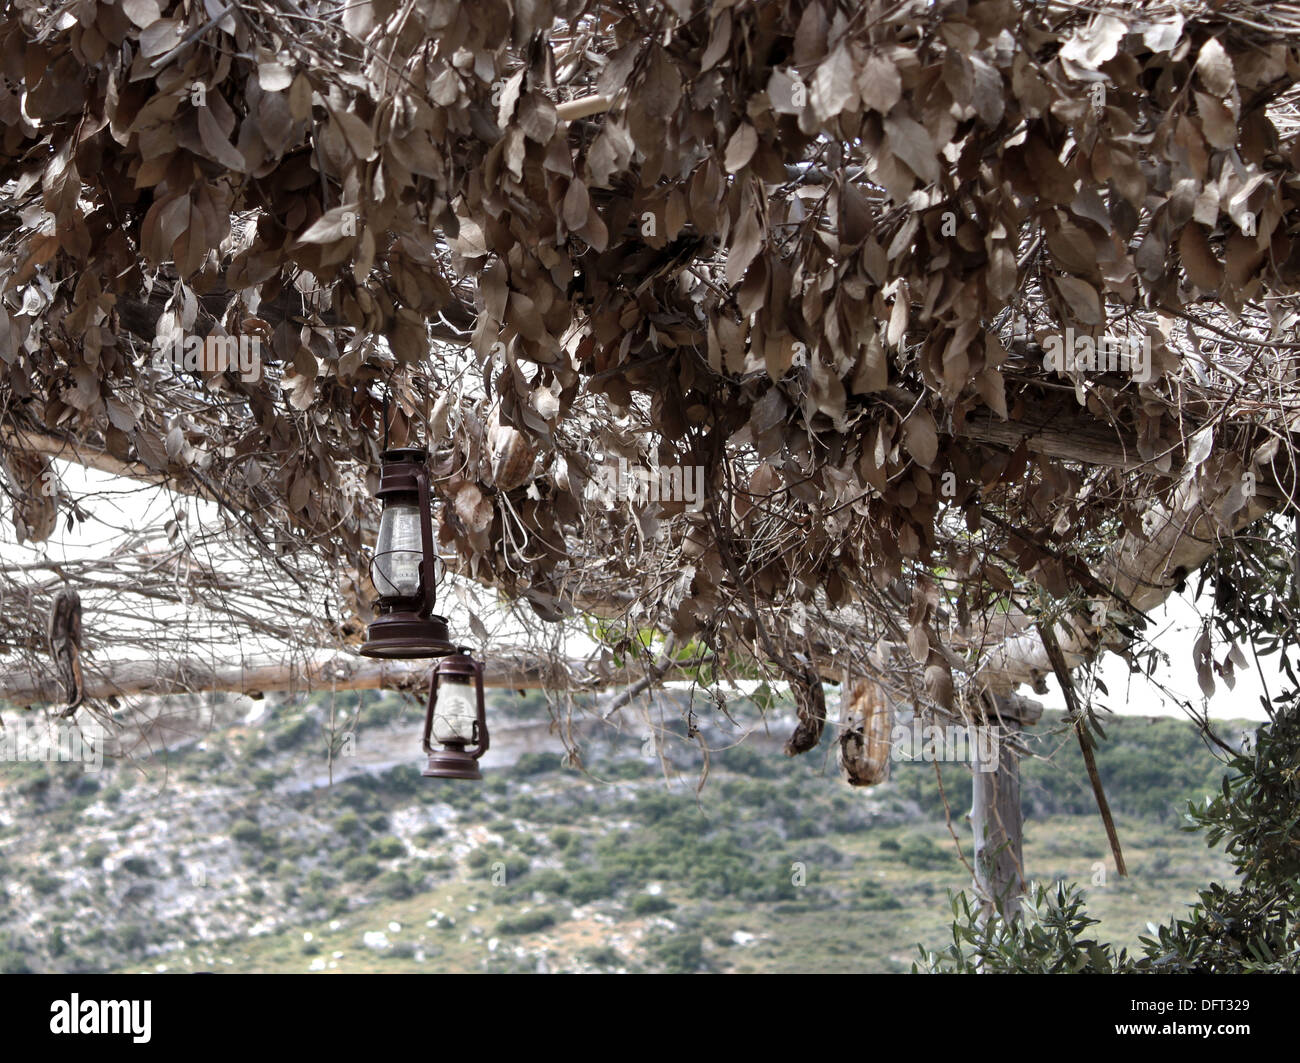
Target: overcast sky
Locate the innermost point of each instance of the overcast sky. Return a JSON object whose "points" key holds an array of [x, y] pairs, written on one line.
{"points": [[1175, 629]]}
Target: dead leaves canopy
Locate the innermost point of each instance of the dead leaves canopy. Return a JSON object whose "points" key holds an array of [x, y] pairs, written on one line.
{"points": [[791, 243]]}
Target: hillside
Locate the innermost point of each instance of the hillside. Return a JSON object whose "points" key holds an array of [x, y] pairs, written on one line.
{"points": [[231, 849]]}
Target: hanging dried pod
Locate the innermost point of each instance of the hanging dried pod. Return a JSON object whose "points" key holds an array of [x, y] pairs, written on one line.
{"points": [[810, 706], [29, 481], [511, 455], [865, 727]]}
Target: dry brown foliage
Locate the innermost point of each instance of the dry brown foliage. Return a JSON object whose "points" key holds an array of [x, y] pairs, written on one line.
{"points": [[814, 247]]}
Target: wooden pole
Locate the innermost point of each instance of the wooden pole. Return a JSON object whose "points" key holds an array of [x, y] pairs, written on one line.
{"points": [[996, 818]]}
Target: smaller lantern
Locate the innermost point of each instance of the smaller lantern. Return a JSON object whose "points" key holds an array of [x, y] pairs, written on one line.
{"points": [[455, 718], [403, 568]]}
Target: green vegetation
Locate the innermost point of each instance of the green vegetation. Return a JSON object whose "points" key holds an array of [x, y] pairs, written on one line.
{"points": [[361, 869], [526, 922], [922, 852], [650, 904], [386, 848], [600, 871], [246, 832], [1250, 926], [679, 953]]}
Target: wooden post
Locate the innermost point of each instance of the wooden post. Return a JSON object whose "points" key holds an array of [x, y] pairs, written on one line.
{"points": [[995, 816]]}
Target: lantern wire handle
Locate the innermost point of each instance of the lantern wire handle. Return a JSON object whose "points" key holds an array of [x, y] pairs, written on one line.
{"points": [[426, 538], [386, 393], [428, 712]]}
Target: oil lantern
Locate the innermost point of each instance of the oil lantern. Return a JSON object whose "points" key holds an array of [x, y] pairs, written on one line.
{"points": [[455, 726], [404, 566]]}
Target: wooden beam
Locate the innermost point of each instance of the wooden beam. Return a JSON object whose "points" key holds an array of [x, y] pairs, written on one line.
{"points": [[1064, 438], [23, 686], [87, 455]]}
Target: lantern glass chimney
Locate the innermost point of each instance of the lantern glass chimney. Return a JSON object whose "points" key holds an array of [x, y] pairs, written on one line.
{"points": [[398, 552], [456, 711]]}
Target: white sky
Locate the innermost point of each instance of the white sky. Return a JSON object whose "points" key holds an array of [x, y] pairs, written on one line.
{"points": [[1174, 630]]}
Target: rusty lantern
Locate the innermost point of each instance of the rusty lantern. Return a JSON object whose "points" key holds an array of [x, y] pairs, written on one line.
{"points": [[404, 566], [455, 718]]}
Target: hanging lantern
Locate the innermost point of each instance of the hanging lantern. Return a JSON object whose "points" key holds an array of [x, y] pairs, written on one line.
{"points": [[403, 568], [455, 718]]}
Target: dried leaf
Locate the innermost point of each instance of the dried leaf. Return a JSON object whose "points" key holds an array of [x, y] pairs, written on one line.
{"points": [[337, 223], [992, 389], [741, 148], [1203, 269], [745, 244], [873, 369], [922, 437], [879, 83], [577, 205], [218, 148], [1217, 121], [142, 13], [473, 509], [1082, 298], [273, 75], [834, 87], [911, 143], [918, 643], [159, 37], [1214, 68], [360, 140]]}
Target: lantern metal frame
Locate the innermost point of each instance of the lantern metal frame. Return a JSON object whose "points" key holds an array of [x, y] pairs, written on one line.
{"points": [[456, 759], [407, 627]]}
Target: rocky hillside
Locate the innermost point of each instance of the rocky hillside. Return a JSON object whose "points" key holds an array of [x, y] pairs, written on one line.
{"points": [[299, 835]]}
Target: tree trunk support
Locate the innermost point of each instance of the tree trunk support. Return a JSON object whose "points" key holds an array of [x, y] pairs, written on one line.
{"points": [[995, 817]]}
